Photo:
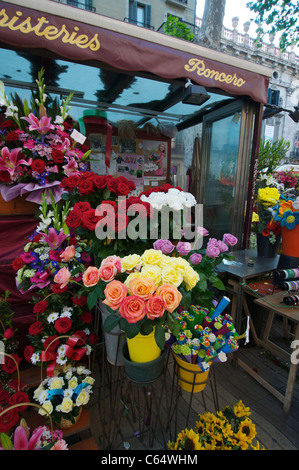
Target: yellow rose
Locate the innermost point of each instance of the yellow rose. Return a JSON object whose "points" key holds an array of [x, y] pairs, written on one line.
{"points": [[89, 380], [82, 398], [181, 264], [66, 405], [38, 391], [153, 272], [167, 261], [73, 382], [128, 263], [57, 382], [151, 256], [47, 405], [190, 278], [170, 275]]}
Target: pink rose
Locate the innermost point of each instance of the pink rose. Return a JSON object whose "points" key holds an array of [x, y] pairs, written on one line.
{"points": [[230, 239], [62, 277], [164, 245], [155, 307], [108, 271], [222, 246], [132, 308], [212, 251], [183, 248], [116, 260], [115, 292], [195, 258], [68, 254], [91, 276], [202, 231]]}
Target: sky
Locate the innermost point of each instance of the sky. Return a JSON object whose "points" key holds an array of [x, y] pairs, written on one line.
{"points": [[233, 8]]}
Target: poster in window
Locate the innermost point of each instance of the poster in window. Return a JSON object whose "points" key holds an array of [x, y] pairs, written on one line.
{"points": [[155, 158]]}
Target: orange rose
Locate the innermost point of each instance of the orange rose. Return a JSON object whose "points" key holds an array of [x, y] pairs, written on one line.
{"points": [[91, 276], [115, 292], [132, 308], [171, 296], [108, 271], [142, 286], [155, 307]]}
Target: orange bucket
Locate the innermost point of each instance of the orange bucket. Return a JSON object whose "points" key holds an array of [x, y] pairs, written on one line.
{"points": [[290, 241]]}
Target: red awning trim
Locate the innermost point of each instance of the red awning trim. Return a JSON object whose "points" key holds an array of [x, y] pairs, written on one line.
{"points": [[69, 39]]}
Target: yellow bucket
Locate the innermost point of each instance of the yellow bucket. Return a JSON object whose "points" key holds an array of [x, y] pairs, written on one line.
{"points": [[143, 348], [191, 378]]}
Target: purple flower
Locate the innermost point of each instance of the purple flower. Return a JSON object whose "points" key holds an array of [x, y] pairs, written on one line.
{"points": [[195, 258], [212, 251], [222, 246], [230, 239], [164, 245], [183, 248], [202, 231]]}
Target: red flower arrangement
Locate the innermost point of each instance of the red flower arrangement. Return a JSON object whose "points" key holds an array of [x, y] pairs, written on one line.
{"points": [[14, 393]]}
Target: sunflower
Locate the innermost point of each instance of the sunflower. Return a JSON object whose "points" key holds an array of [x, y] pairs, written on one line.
{"points": [[247, 429], [186, 440], [241, 410]]}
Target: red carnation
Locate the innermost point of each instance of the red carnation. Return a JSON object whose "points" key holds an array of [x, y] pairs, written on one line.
{"points": [[63, 325], [57, 156], [35, 328], [40, 307], [38, 165], [17, 263]]}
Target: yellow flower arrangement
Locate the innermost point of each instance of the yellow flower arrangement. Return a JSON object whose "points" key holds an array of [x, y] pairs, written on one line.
{"points": [[229, 429], [268, 196]]}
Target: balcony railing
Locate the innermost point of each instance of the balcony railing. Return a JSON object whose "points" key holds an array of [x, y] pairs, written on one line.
{"points": [[84, 6], [138, 23]]}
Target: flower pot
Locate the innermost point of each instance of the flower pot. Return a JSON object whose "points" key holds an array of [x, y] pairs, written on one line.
{"points": [[143, 372], [114, 340], [191, 377], [143, 348], [67, 424], [290, 241], [265, 249]]}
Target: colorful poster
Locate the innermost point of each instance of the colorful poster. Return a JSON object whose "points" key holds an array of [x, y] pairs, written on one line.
{"points": [[155, 158], [131, 167]]}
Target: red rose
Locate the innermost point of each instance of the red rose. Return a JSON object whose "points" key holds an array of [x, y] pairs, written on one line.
{"points": [[38, 165], [37, 238], [12, 136], [73, 219], [82, 335], [40, 307], [4, 396], [79, 300], [71, 182], [123, 189], [28, 351], [82, 206], [67, 126], [121, 222], [8, 420], [100, 181], [16, 385], [19, 397], [93, 339], [63, 325], [9, 366], [86, 317], [35, 328], [50, 344], [89, 219], [85, 187], [17, 263], [57, 156]]}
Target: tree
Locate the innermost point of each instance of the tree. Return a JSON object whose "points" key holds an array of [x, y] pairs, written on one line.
{"points": [[212, 20], [174, 27], [273, 16]]}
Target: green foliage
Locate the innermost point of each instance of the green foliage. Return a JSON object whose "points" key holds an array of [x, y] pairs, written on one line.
{"points": [[275, 16], [271, 154], [174, 27]]}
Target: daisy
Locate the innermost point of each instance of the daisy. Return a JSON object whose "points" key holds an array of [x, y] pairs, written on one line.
{"points": [[53, 317]]}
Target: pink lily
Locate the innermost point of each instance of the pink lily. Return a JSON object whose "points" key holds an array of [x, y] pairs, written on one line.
{"points": [[53, 239], [9, 160], [42, 125], [71, 167], [21, 441]]}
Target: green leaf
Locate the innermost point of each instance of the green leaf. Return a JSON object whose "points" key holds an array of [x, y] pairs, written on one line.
{"points": [[6, 441], [131, 329], [92, 299], [219, 284], [111, 322], [160, 336]]}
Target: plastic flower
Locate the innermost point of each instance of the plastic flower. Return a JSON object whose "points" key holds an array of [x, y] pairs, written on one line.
{"points": [[9, 161], [290, 219]]}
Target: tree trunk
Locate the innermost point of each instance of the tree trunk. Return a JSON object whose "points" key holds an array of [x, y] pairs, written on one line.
{"points": [[211, 27]]}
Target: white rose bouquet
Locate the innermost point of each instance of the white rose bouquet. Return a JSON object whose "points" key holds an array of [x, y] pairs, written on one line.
{"points": [[64, 395]]}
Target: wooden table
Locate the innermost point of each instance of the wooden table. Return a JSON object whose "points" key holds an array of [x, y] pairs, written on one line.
{"points": [[274, 304]]}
